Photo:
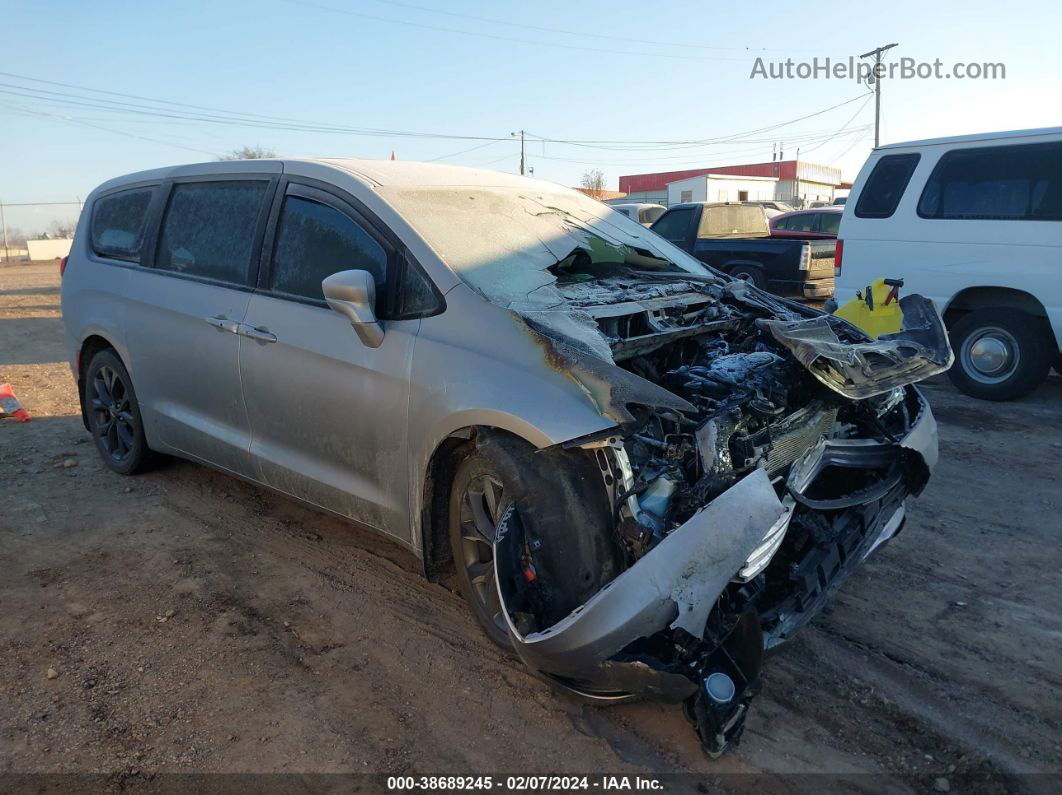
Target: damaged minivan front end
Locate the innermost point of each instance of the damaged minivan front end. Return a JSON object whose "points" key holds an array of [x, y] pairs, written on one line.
{"points": [[758, 451], [741, 511]]}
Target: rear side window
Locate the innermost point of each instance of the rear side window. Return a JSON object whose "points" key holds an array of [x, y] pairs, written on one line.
{"points": [[805, 222], [1015, 183], [831, 223], [314, 241], [885, 186], [118, 224], [674, 225], [209, 229]]}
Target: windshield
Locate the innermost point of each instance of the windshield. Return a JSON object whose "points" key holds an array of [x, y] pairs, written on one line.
{"points": [[504, 241]]}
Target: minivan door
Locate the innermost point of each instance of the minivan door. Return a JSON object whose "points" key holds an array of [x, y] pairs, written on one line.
{"points": [[183, 314], [327, 413]]}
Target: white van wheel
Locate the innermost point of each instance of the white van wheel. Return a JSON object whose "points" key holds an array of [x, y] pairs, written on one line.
{"points": [[1000, 354]]}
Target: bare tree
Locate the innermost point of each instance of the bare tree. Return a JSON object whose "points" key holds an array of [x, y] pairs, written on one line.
{"points": [[249, 153], [594, 182], [62, 230]]}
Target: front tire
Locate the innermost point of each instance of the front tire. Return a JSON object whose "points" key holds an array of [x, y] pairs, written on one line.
{"points": [[114, 415], [1000, 354], [570, 540]]}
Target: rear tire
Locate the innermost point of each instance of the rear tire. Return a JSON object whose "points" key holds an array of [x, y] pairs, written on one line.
{"points": [[1000, 354], [750, 274], [114, 415]]}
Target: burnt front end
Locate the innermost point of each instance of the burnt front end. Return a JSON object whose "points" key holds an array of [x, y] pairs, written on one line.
{"points": [[740, 506]]}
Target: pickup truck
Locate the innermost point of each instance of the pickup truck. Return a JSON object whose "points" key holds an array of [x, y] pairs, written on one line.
{"points": [[736, 239]]}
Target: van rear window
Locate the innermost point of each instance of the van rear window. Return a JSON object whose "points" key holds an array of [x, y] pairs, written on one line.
{"points": [[885, 186], [1001, 183], [118, 224]]}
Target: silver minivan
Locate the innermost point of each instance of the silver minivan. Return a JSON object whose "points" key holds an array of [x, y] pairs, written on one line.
{"points": [[641, 472]]}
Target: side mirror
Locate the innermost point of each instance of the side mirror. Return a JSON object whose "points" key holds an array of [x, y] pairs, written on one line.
{"points": [[353, 295]]}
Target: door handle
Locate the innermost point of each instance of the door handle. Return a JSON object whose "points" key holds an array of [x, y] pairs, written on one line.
{"points": [[256, 333], [224, 323]]}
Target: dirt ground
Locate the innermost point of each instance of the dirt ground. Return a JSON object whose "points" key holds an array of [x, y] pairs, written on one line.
{"points": [[195, 623]]}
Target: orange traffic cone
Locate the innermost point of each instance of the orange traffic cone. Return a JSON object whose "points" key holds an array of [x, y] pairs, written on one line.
{"points": [[9, 405]]}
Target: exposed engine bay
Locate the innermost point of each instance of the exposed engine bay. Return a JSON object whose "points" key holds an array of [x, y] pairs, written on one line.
{"points": [[761, 451]]}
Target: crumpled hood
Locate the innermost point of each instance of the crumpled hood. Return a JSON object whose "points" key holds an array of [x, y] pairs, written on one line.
{"points": [[506, 243], [850, 362]]}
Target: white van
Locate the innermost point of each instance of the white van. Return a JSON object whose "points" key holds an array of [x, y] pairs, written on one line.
{"points": [[975, 224]]}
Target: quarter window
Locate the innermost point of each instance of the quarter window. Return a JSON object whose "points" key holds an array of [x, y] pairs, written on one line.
{"points": [[885, 186], [830, 223], [118, 224], [1013, 183], [314, 241], [209, 229]]}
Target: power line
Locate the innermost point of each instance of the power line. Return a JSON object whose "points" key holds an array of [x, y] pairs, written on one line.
{"points": [[604, 144], [850, 148], [586, 34], [674, 162], [843, 127], [69, 120], [462, 152], [459, 31], [260, 121]]}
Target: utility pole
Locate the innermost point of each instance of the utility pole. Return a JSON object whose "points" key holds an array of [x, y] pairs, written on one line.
{"points": [[877, 53], [3, 223], [521, 134]]}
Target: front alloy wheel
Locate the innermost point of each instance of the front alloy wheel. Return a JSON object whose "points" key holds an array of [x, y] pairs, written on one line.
{"points": [[481, 508]]}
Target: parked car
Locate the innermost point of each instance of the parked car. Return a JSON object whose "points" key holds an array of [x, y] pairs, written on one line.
{"points": [[818, 203], [644, 214], [975, 224], [840, 201], [821, 224], [736, 239], [640, 472], [771, 207]]}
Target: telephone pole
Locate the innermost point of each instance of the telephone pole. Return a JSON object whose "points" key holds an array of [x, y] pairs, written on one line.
{"points": [[877, 53], [521, 134]]}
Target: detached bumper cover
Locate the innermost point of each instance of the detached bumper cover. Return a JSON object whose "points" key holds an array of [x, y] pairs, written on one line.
{"points": [[677, 583]]}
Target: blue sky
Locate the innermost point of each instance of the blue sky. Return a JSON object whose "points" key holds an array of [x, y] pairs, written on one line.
{"points": [[338, 62]]}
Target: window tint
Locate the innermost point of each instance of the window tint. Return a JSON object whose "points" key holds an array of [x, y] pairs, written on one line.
{"points": [[314, 241], [996, 183], [885, 186], [118, 224], [209, 227], [674, 225], [831, 223], [416, 294], [781, 223]]}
